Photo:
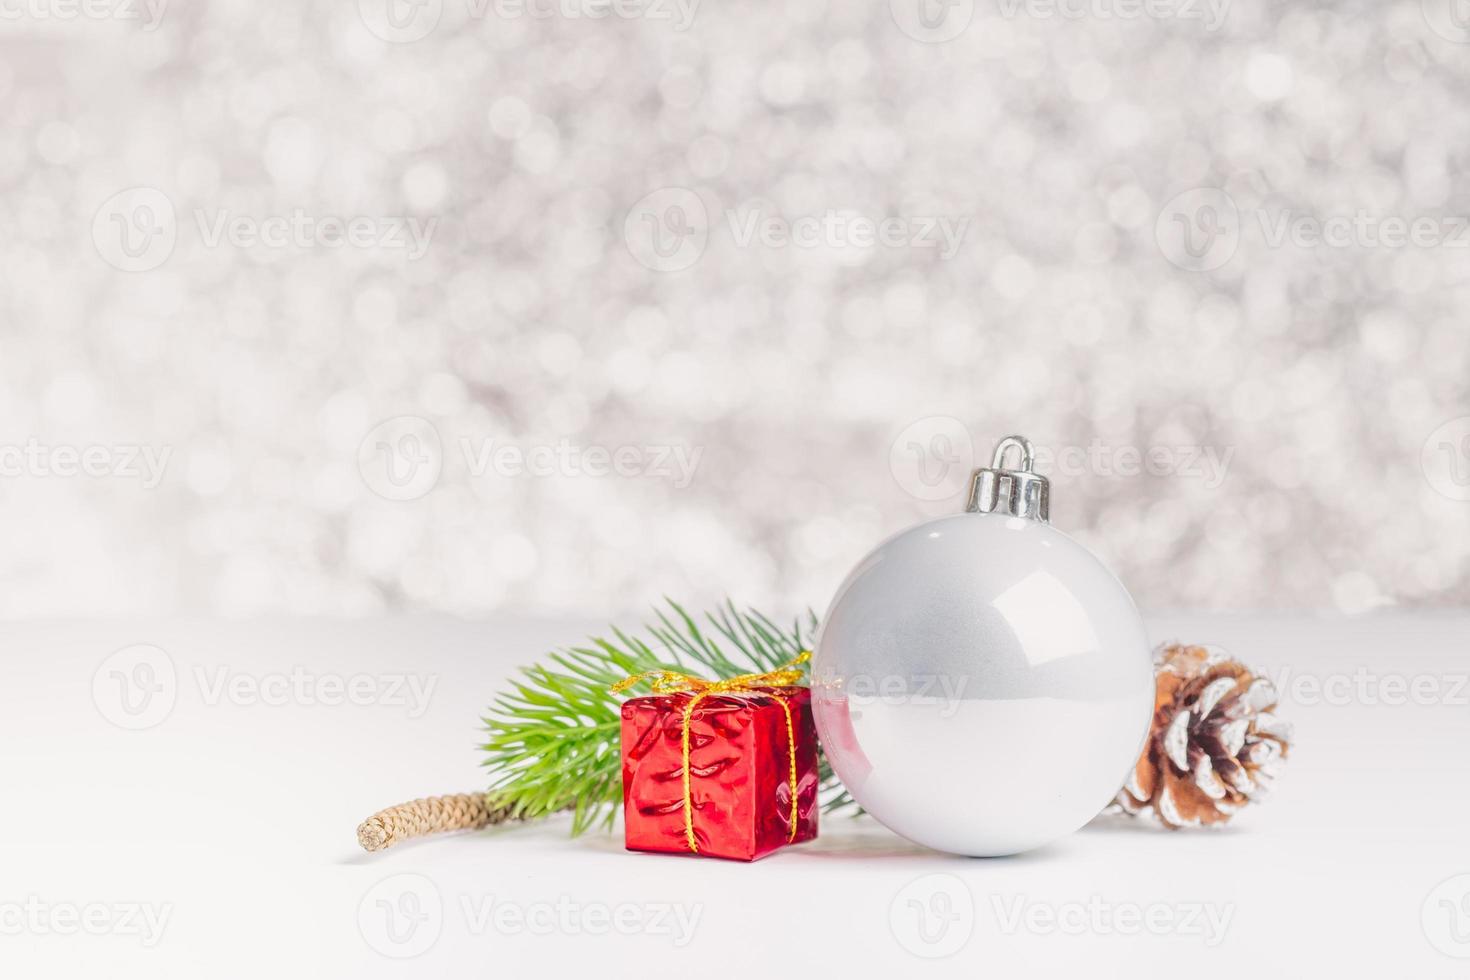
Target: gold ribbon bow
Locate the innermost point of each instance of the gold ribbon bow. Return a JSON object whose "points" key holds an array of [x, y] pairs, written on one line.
{"points": [[673, 682]]}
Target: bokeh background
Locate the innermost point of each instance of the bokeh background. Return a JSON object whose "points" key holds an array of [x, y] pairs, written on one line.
{"points": [[566, 248]]}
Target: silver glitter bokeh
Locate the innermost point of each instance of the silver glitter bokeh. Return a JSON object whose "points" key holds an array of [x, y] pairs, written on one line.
{"points": [[480, 306]]}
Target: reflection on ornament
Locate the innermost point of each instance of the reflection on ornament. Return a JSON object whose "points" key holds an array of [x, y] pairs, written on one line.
{"points": [[982, 683]]}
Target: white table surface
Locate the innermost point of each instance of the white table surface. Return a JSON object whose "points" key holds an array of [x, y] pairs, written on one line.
{"points": [[232, 822]]}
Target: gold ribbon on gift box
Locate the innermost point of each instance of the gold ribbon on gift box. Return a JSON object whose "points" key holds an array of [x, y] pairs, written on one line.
{"points": [[673, 682]]}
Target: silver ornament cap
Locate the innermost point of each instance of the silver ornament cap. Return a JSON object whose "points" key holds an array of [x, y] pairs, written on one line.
{"points": [[982, 683], [1018, 492]]}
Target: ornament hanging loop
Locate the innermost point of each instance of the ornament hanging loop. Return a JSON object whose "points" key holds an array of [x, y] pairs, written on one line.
{"points": [[1021, 445], [1018, 492]]}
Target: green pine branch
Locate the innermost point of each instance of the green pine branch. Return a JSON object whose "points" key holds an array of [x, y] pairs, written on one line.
{"points": [[553, 737]]}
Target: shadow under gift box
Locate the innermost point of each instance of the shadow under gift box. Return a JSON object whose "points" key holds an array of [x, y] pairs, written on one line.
{"points": [[740, 772]]}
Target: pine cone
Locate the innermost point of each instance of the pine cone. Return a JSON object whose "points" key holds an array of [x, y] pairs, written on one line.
{"points": [[431, 815], [1216, 743]]}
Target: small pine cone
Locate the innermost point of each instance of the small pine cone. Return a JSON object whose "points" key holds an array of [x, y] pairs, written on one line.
{"points": [[432, 815], [1216, 743]]}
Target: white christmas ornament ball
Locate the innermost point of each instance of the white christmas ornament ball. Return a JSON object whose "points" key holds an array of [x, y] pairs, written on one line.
{"points": [[982, 683]]}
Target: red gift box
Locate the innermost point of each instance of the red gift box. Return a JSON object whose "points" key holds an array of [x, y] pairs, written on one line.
{"points": [[747, 748]]}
